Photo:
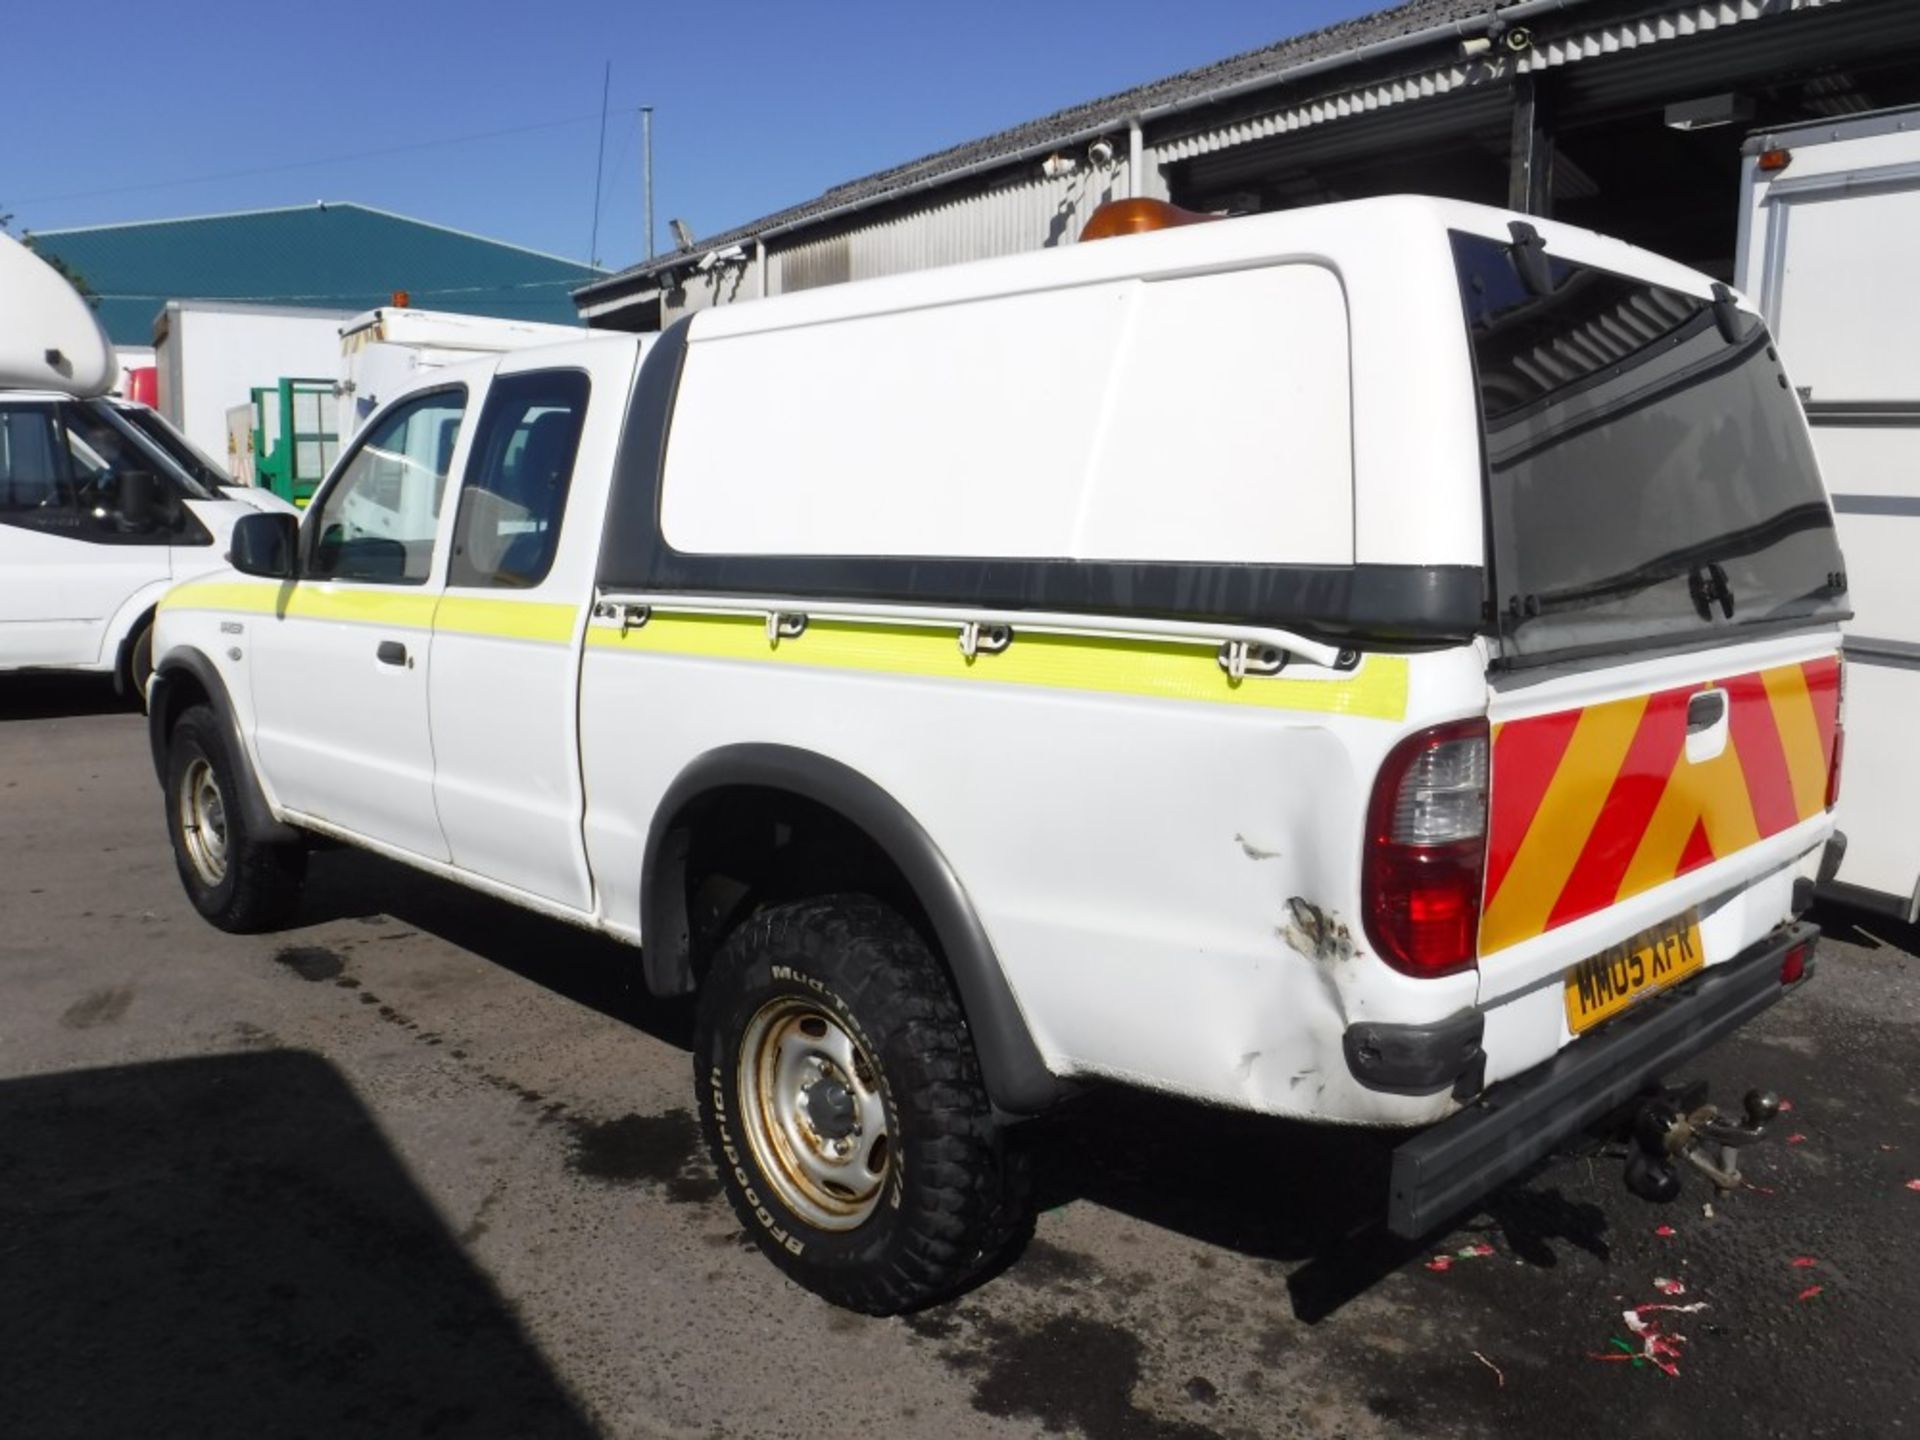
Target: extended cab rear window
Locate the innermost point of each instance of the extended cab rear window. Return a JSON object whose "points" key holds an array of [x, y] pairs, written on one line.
{"points": [[1650, 481]]}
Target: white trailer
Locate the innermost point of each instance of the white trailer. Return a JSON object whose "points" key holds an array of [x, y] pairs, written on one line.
{"points": [[1829, 228], [383, 350], [212, 353]]}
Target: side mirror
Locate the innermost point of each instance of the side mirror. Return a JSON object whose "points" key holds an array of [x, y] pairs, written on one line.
{"points": [[264, 545], [137, 498]]}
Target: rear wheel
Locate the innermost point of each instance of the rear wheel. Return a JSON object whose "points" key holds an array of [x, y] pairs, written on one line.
{"points": [[844, 1107], [236, 881]]}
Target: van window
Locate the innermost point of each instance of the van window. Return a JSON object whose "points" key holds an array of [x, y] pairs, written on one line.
{"points": [[378, 520], [33, 470], [1193, 419], [518, 471], [177, 448], [1647, 480], [65, 470]]}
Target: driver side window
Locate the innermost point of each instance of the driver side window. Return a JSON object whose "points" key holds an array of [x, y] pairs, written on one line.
{"points": [[378, 520]]}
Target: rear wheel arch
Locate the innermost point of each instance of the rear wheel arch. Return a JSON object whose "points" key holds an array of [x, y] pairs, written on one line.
{"points": [[750, 789]]}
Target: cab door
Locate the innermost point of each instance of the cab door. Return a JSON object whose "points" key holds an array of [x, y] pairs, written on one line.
{"points": [[75, 543], [503, 696], [342, 664]]}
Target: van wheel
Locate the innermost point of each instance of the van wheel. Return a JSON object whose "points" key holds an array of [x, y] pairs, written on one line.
{"points": [[239, 883], [136, 664], [844, 1107]]}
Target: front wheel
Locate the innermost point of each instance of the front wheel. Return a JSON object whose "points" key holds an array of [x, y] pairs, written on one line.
{"points": [[136, 665], [844, 1107], [236, 881]]}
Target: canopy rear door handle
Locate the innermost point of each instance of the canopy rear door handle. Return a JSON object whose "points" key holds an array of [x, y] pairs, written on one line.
{"points": [[1705, 709], [392, 652]]}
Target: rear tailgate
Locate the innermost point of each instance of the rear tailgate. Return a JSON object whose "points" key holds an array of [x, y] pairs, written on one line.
{"points": [[1614, 810], [1664, 694]]}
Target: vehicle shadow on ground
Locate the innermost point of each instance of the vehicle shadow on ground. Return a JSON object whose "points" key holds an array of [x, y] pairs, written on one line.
{"points": [[1868, 929], [1311, 1197], [587, 968], [227, 1246], [60, 697]]}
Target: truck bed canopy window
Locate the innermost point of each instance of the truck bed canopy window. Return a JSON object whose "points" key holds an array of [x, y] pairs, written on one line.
{"points": [[1647, 479]]}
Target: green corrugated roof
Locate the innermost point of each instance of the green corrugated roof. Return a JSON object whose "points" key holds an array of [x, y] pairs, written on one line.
{"points": [[333, 256]]}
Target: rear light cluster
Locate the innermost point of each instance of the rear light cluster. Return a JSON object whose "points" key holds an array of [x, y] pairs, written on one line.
{"points": [[1839, 739], [1426, 848]]}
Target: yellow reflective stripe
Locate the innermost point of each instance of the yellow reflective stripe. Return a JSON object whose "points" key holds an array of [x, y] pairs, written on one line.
{"points": [[252, 597], [1109, 665], [1565, 817], [506, 619]]}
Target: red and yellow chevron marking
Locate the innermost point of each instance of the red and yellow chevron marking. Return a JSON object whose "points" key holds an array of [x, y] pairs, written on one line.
{"points": [[1590, 806]]}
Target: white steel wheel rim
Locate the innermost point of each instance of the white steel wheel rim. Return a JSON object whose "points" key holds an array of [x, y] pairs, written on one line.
{"points": [[812, 1110], [203, 821]]}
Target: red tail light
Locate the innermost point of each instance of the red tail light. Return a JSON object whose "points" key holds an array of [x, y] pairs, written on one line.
{"points": [[1839, 740], [1793, 968], [1426, 850]]}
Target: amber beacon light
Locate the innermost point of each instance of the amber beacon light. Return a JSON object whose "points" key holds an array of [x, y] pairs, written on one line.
{"points": [[1137, 217]]}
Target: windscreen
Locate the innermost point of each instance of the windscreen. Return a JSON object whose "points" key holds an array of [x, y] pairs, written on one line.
{"points": [[1650, 481], [178, 449]]}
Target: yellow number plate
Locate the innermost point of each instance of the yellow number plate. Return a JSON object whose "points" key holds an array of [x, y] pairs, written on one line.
{"points": [[1600, 988]]}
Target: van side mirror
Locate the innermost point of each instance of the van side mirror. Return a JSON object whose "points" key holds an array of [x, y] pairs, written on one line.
{"points": [[137, 499], [265, 545]]}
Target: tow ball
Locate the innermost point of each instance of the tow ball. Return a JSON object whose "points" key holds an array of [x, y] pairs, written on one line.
{"points": [[1676, 1124]]}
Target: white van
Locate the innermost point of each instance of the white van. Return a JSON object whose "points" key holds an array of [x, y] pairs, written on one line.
{"points": [[102, 504], [96, 522]]}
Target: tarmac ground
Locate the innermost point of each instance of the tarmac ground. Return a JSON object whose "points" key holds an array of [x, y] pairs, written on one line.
{"points": [[427, 1165]]}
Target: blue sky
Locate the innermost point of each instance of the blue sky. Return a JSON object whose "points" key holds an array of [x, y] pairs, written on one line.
{"points": [[145, 110]]}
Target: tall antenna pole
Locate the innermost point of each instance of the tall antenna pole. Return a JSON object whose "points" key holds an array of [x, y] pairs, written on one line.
{"points": [[599, 163], [646, 146]]}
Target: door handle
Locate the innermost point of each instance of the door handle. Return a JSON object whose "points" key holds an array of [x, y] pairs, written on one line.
{"points": [[392, 652], [1705, 709]]}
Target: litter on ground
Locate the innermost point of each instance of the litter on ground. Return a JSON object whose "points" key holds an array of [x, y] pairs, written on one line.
{"points": [[1809, 1292], [1659, 1348], [1443, 1263], [1498, 1374], [1669, 1287]]}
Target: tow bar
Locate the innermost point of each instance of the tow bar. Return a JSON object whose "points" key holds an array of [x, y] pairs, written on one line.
{"points": [[1675, 1123]]}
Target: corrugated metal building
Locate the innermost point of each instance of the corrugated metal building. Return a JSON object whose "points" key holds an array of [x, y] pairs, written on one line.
{"points": [[332, 256], [1624, 115]]}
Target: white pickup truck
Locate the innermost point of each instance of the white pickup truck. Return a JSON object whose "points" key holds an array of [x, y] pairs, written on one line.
{"points": [[1375, 664]]}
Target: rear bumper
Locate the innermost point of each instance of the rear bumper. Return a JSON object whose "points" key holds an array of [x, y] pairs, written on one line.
{"points": [[1442, 1170]]}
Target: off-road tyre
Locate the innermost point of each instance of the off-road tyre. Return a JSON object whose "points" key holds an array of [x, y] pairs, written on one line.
{"points": [[954, 1193], [236, 881]]}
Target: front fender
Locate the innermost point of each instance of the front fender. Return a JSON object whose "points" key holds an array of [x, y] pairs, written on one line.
{"points": [[186, 676]]}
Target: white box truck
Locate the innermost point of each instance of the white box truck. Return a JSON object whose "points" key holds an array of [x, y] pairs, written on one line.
{"points": [[211, 353], [1829, 226], [383, 350]]}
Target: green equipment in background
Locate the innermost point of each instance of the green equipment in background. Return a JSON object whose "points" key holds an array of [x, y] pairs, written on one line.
{"points": [[291, 436]]}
